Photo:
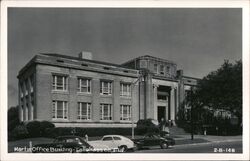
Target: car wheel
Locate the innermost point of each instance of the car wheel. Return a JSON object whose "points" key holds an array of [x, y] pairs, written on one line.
{"points": [[164, 145], [123, 148]]}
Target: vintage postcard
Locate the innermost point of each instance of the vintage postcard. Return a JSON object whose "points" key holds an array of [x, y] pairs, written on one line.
{"points": [[125, 80]]}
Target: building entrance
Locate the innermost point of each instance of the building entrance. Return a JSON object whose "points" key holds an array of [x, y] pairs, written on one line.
{"points": [[161, 113]]}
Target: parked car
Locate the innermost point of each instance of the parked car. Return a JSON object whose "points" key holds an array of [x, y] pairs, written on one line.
{"points": [[154, 140], [166, 135], [63, 144], [114, 142]]}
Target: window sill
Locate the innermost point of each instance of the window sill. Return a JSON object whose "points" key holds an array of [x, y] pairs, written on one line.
{"points": [[83, 93], [59, 120], [103, 95], [126, 97], [60, 92], [106, 120], [83, 120], [125, 121]]}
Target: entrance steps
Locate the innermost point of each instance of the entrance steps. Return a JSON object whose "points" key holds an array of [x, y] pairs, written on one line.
{"points": [[174, 130]]}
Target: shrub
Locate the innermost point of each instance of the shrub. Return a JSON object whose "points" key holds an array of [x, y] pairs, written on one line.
{"points": [[13, 119], [59, 131], [45, 125], [19, 132], [146, 126], [34, 128]]}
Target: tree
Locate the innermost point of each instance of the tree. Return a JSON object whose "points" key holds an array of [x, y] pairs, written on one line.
{"points": [[13, 118], [221, 89]]}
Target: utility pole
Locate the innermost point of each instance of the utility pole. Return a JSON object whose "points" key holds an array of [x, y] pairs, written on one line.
{"points": [[192, 115], [132, 106], [192, 124]]}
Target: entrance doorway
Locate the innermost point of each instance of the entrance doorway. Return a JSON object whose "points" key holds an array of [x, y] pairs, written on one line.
{"points": [[161, 113]]}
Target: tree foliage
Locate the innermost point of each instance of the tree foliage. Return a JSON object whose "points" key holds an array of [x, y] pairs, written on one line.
{"points": [[13, 118], [221, 89]]}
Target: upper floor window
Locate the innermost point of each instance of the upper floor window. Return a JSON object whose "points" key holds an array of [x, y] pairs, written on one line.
{"points": [[26, 86], [31, 79], [106, 112], [84, 85], [84, 111], [168, 69], [162, 69], [125, 112], [60, 83], [125, 89], [60, 110], [155, 68], [106, 87], [21, 90]]}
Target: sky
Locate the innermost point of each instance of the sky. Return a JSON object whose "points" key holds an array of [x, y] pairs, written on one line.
{"points": [[197, 39]]}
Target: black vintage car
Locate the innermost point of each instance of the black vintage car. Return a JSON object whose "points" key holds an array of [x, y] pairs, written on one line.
{"points": [[63, 144], [152, 139]]}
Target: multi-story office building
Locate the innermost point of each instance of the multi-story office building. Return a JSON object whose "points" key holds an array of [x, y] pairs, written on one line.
{"points": [[81, 92]]}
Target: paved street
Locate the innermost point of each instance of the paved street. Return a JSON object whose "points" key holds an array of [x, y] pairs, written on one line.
{"points": [[200, 144], [210, 147]]}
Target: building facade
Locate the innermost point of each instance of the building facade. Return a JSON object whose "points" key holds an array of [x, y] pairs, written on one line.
{"points": [[81, 92]]}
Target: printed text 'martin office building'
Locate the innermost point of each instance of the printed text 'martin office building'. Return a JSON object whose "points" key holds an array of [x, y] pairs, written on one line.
{"points": [[81, 92]]}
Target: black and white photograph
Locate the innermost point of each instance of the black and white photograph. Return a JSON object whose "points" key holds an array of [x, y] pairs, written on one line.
{"points": [[147, 82]]}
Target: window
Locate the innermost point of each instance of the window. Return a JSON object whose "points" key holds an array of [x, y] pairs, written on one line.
{"points": [[106, 87], [125, 112], [107, 139], [26, 112], [60, 83], [105, 112], [21, 113], [168, 69], [84, 85], [125, 90], [21, 90], [31, 79], [60, 110], [155, 68], [117, 138], [31, 112], [84, 111], [162, 97], [162, 69], [26, 87]]}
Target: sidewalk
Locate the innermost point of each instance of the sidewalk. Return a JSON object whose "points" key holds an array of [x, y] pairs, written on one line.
{"points": [[186, 139]]}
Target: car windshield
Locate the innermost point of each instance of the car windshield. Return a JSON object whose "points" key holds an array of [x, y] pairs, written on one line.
{"points": [[70, 140], [151, 136]]}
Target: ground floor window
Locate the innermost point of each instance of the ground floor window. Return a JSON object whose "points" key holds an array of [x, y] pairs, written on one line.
{"points": [[125, 112], [60, 110], [84, 111], [106, 112]]}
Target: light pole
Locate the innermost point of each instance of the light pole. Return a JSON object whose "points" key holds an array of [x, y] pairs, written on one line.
{"points": [[132, 105]]}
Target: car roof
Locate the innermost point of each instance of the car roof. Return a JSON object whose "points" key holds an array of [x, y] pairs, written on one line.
{"points": [[114, 136], [69, 136]]}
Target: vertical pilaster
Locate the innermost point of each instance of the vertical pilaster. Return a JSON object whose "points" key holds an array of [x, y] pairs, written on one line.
{"points": [[116, 101], [149, 95], [96, 100], [172, 104], [155, 101], [72, 99]]}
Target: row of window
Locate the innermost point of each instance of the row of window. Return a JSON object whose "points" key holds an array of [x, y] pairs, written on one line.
{"points": [[60, 83], [84, 111], [26, 86], [161, 69]]}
